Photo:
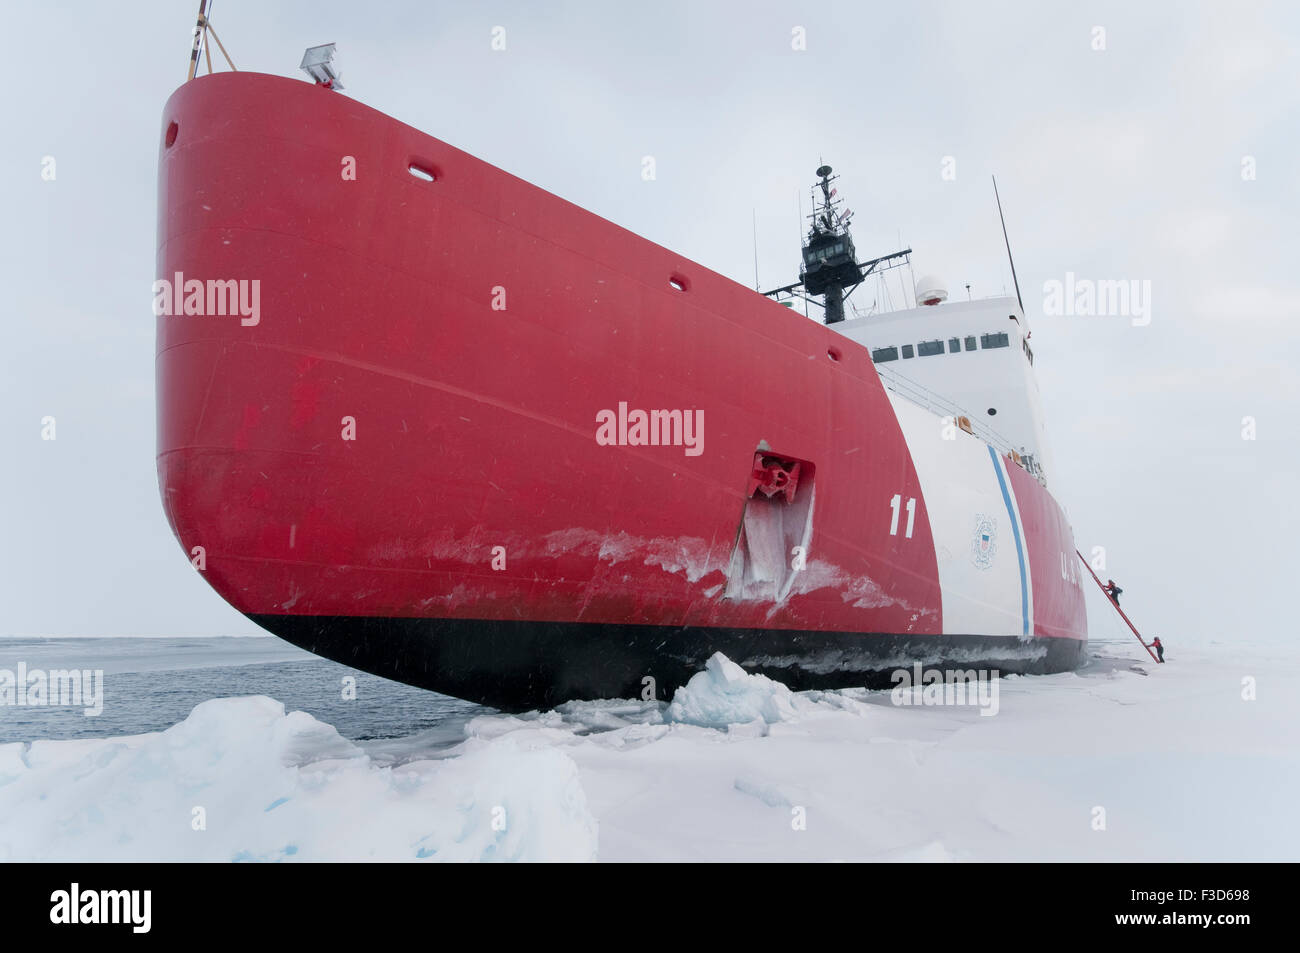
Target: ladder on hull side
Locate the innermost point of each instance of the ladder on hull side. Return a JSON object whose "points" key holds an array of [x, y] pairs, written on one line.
{"points": [[1117, 608]]}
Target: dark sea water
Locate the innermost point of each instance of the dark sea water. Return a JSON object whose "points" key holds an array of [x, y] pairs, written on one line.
{"points": [[150, 684]]}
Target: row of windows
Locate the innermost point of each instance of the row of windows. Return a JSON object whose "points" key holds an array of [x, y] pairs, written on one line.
{"points": [[814, 254], [927, 348]]}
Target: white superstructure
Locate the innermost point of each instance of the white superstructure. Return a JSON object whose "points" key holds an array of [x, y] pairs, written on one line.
{"points": [[964, 359]]}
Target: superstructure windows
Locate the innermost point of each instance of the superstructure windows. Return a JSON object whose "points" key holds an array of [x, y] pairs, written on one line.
{"points": [[880, 355]]}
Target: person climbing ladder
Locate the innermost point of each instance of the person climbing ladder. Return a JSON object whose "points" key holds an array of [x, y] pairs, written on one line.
{"points": [[1112, 591], [1159, 647]]}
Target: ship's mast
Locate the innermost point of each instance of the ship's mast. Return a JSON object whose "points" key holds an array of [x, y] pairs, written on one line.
{"points": [[829, 267], [202, 28]]}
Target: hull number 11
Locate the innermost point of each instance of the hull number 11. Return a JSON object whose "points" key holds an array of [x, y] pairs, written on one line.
{"points": [[911, 515]]}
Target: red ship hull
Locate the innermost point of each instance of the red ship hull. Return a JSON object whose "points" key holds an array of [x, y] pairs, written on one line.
{"points": [[396, 465]]}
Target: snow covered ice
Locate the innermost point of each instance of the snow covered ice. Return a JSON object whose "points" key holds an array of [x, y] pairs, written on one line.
{"points": [[725, 694], [1183, 765], [277, 786]]}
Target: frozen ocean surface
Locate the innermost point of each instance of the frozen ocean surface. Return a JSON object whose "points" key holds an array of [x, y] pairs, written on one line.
{"points": [[1124, 760]]}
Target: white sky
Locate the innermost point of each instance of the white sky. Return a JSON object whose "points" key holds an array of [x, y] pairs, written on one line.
{"points": [[1118, 164]]}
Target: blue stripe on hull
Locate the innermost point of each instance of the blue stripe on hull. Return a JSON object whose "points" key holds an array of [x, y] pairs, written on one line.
{"points": [[1015, 531]]}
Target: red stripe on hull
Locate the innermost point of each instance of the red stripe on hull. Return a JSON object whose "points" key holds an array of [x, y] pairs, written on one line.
{"points": [[1059, 610]]}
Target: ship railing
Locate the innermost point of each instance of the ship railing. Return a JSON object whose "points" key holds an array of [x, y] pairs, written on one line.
{"points": [[922, 396]]}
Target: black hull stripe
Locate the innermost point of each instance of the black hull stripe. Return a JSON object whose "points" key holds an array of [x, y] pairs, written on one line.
{"points": [[517, 666]]}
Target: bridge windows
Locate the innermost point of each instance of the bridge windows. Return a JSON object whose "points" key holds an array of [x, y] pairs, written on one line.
{"points": [[813, 255], [907, 351], [928, 348], [995, 340], [882, 354], [954, 345], [970, 343]]}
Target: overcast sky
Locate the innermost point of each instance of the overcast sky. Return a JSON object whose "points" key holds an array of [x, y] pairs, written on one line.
{"points": [[1117, 163]]}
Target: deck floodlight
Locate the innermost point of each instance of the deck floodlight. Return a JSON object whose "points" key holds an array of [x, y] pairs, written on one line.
{"points": [[317, 62]]}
